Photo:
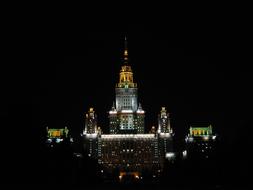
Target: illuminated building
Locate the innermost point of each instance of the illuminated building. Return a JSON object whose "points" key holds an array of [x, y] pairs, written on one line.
{"points": [[91, 122], [55, 136], [91, 132], [129, 153], [127, 116], [165, 131], [200, 141], [128, 149]]}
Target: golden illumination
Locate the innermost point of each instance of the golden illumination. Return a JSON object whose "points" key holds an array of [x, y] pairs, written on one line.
{"points": [[201, 131], [56, 133], [126, 74], [126, 78], [135, 174], [126, 52]]}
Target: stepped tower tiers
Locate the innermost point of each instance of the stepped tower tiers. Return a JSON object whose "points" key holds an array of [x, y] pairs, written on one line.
{"points": [[90, 122], [91, 132], [128, 150], [127, 116], [165, 135], [164, 122]]}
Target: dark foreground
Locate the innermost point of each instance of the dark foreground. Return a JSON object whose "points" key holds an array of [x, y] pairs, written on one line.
{"points": [[60, 168]]}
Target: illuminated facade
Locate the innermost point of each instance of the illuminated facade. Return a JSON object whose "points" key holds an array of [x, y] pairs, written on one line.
{"points": [[127, 116], [165, 131], [129, 153], [200, 141], [91, 131], [55, 136], [128, 149]]}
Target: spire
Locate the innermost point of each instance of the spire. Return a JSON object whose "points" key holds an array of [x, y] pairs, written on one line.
{"points": [[125, 52]]}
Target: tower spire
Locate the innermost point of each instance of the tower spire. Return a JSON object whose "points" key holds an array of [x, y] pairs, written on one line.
{"points": [[125, 52]]}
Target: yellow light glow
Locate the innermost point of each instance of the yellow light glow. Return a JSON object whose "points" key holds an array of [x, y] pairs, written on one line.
{"points": [[56, 133]]}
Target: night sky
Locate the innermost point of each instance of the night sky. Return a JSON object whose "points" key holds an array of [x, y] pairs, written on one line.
{"points": [[198, 83]]}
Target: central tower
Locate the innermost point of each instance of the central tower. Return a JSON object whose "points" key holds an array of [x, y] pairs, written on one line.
{"points": [[127, 117]]}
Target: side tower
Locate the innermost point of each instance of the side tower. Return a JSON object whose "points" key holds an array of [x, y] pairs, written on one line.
{"points": [[164, 122], [91, 134], [165, 134], [126, 117], [90, 122]]}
